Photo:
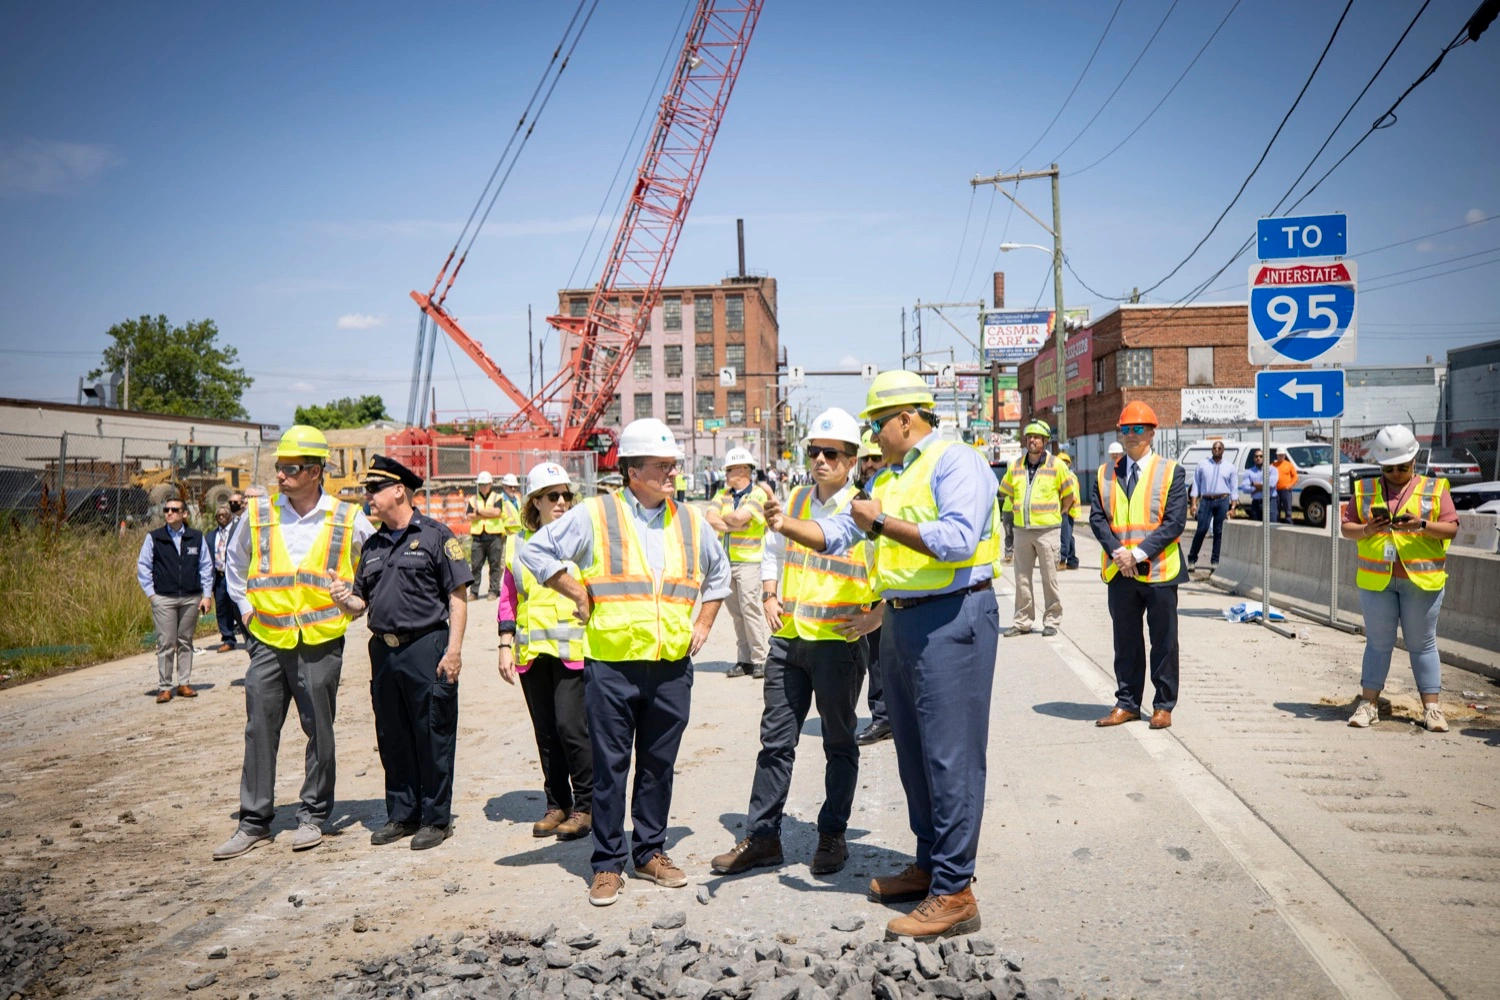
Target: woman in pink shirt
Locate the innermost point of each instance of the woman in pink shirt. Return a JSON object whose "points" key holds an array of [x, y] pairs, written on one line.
{"points": [[544, 644]]}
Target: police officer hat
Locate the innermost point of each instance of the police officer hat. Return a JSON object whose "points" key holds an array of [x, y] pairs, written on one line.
{"points": [[385, 470]]}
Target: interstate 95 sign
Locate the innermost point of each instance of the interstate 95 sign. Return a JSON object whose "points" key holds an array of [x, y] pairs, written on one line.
{"points": [[1303, 313]]}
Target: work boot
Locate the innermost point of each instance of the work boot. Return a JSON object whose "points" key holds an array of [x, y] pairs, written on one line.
{"points": [[605, 888], [662, 871], [937, 917], [1014, 631], [831, 854], [752, 852], [740, 669], [392, 832], [431, 836], [578, 824], [912, 884], [758, 671], [548, 824]]}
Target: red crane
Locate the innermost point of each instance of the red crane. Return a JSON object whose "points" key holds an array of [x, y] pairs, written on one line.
{"points": [[564, 413]]}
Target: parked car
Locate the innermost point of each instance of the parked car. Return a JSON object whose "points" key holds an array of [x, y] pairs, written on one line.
{"points": [[1314, 492], [1457, 465], [1475, 495]]}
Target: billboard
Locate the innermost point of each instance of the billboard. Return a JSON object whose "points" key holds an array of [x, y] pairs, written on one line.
{"points": [[1013, 336], [1078, 370]]}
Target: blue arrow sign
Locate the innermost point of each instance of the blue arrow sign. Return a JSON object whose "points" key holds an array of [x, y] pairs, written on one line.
{"points": [[1303, 236], [1304, 395]]}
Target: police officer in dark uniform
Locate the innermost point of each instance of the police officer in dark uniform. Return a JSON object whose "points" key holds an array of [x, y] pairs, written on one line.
{"points": [[412, 577]]}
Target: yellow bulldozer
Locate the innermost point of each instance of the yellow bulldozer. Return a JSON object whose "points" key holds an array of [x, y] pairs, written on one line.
{"points": [[192, 474]]}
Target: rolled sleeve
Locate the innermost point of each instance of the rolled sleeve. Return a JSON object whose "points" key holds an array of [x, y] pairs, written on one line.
{"points": [[143, 574], [840, 533], [715, 560], [965, 494], [236, 565], [569, 539]]}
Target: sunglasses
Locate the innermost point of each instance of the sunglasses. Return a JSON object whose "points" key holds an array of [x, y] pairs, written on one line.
{"points": [[1134, 429], [1403, 467], [376, 487], [828, 454], [878, 422], [556, 495], [171, 510], [294, 468]]}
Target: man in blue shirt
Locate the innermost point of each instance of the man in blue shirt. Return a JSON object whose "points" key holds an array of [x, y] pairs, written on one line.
{"points": [[176, 571], [1214, 493], [1262, 488]]}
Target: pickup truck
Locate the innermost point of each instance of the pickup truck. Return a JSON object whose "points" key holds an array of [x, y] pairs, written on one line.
{"points": [[1314, 492]]}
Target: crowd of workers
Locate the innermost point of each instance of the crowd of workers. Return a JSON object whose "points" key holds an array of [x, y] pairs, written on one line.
{"points": [[880, 566]]}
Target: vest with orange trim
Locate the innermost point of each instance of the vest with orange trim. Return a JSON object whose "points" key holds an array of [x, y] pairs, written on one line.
{"points": [[820, 591], [1135, 517], [1424, 559]]}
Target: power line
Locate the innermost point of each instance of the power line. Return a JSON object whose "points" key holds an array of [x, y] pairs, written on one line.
{"points": [[1436, 263], [1427, 277], [958, 258], [979, 246], [1103, 35]]}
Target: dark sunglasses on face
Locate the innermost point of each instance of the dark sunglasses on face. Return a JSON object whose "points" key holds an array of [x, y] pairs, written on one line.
{"points": [[1403, 467], [293, 468], [830, 454], [171, 510], [556, 495], [1133, 429], [376, 487], [236, 504]]}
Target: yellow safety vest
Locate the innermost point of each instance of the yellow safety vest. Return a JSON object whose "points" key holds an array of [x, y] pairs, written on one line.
{"points": [[292, 602], [544, 618], [510, 514], [821, 591], [1038, 499], [1133, 518], [636, 616], [485, 525], [749, 543], [909, 497], [1423, 558]]}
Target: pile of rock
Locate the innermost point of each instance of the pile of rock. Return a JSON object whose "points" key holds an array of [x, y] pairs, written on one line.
{"points": [[31, 945], [668, 960]]}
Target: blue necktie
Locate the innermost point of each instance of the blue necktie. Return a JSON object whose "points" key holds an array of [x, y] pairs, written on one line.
{"points": [[1130, 481]]}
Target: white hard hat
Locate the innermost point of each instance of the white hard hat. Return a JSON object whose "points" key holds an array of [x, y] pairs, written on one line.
{"points": [[1116, 448], [484, 477], [835, 425], [648, 438], [545, 475], [509, 479], [1393, 445], [738, 456]]}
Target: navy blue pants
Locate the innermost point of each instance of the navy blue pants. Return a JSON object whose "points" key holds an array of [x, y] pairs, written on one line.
{"points": [[226, 610], [1129, 602], [875, 690], [639, 705], [416, 728], [1211, 513], [1067, 554], [938, 660]]}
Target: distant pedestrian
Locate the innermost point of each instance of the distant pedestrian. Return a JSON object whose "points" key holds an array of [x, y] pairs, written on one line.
{"points": [[1068, 558], [871, 461], [1214, 493], [487, 531], [1040, 489], [1008, 519], [1257, 481], [682, 485], [176, 571], [1403, 524], [1286, 478], [542, 640], [1138, 512], [739, 517], [229, 517]]}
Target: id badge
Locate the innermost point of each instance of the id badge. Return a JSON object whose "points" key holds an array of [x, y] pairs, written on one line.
{"points": [[1390, 552]]}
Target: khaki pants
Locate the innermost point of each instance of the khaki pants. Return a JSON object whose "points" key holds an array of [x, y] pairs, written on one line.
{"points": [[176, 621], [1033, 546], [751, 633]]}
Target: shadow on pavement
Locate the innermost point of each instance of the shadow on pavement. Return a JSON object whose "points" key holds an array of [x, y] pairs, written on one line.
{"points": [[799, 840], [573, 856], [515, 807], [1072, 710], [1491, 737]]}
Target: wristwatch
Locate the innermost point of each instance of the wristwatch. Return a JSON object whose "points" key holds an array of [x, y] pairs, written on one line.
{"points": [[878, 525]]}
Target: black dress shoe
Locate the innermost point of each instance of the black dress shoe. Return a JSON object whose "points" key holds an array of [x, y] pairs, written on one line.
{"points": [[1049, 630], [392, 832], [758, 671], [873, 733], [738, 670], [431, 836]]}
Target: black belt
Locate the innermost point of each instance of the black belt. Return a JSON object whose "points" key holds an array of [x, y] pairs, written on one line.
{"points": [[902, 603], [1214, 496], [394, 639]]}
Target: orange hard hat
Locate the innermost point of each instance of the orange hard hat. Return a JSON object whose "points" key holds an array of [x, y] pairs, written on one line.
{"points": [[1136, 412]]}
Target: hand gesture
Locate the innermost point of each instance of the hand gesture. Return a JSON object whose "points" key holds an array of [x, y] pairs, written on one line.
{"points": [[773, 513], [508, 664], [204, 605], [862, 623], [864, 512], [449, 666], [773, 609], [340, 591]]}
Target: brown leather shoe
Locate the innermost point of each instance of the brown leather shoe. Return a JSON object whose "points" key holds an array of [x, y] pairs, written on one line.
{"points": [[1117, 716], [224, 647], [937, 917], [1161, 719], [576, 825], [162, 697], [183, 691], [548, 824], [912, 884], [605, 888], [752, 852], [831, 854], [662, 871]]}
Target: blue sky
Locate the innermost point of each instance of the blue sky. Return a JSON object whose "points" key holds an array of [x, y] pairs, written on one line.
{"points": [[293, 171]]}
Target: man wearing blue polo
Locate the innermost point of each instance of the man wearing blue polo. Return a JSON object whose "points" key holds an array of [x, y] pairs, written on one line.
{"points": [[933, 522]]}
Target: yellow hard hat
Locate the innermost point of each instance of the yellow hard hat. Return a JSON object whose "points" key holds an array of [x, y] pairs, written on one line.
{"points": [[897, 388], [867, 446], [301, 441], [1063, 456]]}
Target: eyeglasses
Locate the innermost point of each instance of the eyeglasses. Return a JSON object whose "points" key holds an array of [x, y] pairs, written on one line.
{"points": [[1133, 429], [878, 422], [1403, 467], [828, 454], [375, 487], [556, 495], [291, 469], [171, 510]]}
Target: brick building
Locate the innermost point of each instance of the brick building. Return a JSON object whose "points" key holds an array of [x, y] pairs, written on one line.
{"points": [[674, 376]]}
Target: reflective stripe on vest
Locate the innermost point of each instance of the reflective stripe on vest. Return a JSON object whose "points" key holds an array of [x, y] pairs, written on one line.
{"points": [[1037, 498], [819, 591], [749, 543], [544, 618], [909, 497], [1423, 558], [485, 525], [636, 616], [1134, 518], [293, 603]]}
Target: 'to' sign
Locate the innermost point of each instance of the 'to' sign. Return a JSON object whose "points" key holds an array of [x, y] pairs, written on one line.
{"points": [[1302, 236]]}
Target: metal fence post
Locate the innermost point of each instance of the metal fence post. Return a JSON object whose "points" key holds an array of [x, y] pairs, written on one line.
{"points": [[62, 472]]}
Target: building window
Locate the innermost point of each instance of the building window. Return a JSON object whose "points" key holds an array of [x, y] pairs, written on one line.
{"points": [[672, 359], [1098, 375], [671, 312], [612, 411], [703, 314], [1200, 366], [734, 357], [705, 404], [1133, 366], [705, 356], [578, 307], [734, 313], [735, 403], [674, 408], [642, 405], [641, 366]]}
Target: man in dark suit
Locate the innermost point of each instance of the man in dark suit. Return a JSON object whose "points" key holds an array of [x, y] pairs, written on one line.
{"points": [[228, 519], [1138, 514]]}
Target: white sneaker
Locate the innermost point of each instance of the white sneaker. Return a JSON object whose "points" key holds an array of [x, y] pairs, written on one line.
{"points": [[1365, 716], [307, 837], [1433, 717]]}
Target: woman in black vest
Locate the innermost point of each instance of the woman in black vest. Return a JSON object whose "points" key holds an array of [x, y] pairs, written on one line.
{"points": [[176, 570]]}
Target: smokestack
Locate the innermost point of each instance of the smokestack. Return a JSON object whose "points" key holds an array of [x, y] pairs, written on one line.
{"points": [[999, 289], [739, 226]]}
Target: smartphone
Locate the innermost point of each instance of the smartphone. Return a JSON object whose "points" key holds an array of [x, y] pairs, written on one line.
{"points": [[861, 494], [1403, 518], [1380, 513]]}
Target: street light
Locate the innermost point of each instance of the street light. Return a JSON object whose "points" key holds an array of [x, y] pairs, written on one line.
{"points": [[1008, 247], [1059, 337]]}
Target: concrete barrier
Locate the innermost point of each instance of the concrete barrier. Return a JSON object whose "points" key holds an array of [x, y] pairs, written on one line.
{"points": [[1299, 578]]}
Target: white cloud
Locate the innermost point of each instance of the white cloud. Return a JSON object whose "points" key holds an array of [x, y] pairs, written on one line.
{"points": [[1474, 216], [30, 166], [359, 321], [302, 387], [849, 361], [1426, 246]]}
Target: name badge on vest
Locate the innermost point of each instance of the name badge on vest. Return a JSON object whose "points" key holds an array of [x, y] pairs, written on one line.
{"points": [[1390, 552]]}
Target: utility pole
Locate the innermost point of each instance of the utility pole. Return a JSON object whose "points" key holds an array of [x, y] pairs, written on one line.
{"points": [[903, 337], [1059, 329], [127, 378]]}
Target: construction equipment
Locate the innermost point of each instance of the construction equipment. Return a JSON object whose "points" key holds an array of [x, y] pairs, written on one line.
{"points": [[192, 474], [564, 414]]}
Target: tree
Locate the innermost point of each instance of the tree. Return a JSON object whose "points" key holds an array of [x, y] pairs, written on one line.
{"points": [[346, 412], [181, 370]]}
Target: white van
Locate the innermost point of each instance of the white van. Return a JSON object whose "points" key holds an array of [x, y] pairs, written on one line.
{"points": [[1313, 493]]}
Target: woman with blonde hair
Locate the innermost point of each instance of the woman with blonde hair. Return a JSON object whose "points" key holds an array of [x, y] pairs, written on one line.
{"points": [[544, 644]]}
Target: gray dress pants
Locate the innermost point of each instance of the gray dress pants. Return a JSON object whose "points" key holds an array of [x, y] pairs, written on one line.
{"points": [[308, 675], [176, 621]]}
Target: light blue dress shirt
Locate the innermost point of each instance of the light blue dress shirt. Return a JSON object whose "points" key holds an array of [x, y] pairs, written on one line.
{"points": [[1212, 478], [205, 563], [571, 539], [1252, 483], [964, 488]]}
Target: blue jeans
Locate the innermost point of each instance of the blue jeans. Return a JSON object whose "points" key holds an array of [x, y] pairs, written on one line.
{"points": [[1417, 611], [1211, 513], [1069, 553]]}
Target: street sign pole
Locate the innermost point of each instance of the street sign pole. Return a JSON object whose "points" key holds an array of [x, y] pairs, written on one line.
{"points": [[1335, 523]]}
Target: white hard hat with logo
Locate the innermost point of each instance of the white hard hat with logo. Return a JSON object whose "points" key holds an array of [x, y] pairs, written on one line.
{"points": [[484, 478], [1394, 445], [648, 438], [834, 425], [545, 475], [738, 456]]}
